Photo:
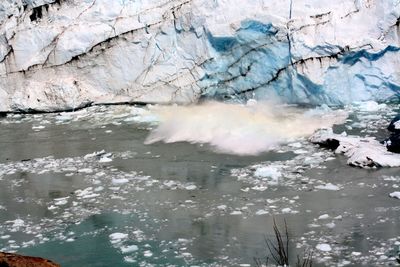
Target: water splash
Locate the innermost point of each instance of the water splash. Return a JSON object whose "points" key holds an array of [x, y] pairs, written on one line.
{"points": [[239, 129]]}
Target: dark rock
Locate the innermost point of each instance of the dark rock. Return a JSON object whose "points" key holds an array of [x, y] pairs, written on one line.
{"points": [[393, 143], [391, 127], [14, 260], [330, 143]]}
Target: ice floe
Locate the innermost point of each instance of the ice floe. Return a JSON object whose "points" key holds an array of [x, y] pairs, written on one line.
{"points": [[324, 247], [395, 195], [365, 152]]}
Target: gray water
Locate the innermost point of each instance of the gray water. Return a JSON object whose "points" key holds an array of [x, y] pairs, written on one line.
{"points": [[183, 204]]}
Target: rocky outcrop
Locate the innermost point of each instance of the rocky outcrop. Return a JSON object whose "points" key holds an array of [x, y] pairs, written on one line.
{"points": [[66, 54], [14, 260]]}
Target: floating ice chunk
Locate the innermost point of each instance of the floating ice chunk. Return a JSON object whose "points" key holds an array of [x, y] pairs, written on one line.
{"points": [[186, 254], [64, 117], [191, 187], [286, 210], [328, 186], [39, 127], [170, 184], [221, 207], [18, 223], [129, 249], [362, 152], [129, 259], [5, 237], [98, 189], [61, 201], [262, 212], [323, 217], [100, 174], [340, 217], [355, 253], [395, 195], [324, 247], [300, 151], [330, 225], [86, 170], [86, 193], [147, 253], [259, 188], [236, 212], [117, 237], [370, 106], [52, 207], [119, 181], [94, 154], [397, 125], [90, 196], [272, 172], [105, 160], [296, 145], [69, 169]]}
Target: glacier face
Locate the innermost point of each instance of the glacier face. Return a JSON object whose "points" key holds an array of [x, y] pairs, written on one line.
{"points": [[65, 54]]}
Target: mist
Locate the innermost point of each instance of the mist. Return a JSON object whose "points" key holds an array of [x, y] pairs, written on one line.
{"points": [[239, 129]]}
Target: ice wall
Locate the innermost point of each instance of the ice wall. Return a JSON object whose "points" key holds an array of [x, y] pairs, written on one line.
{"points": [[65, 54]]}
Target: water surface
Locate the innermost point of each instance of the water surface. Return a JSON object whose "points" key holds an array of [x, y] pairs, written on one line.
{"points": [[71, 182]]}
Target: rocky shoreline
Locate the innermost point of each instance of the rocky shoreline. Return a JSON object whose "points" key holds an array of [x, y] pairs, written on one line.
{"points": [[15, 260]]}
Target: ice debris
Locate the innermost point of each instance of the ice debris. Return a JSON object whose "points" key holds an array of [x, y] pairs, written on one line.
{"points": [[365, 152]]}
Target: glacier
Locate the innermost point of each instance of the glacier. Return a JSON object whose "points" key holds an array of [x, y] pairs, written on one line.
{"points": [[65, 54]]}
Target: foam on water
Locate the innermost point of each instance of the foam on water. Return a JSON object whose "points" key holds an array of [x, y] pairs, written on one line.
{"points": [[239, 129]]}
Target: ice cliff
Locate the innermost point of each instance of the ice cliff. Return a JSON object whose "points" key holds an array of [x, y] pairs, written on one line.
{"points": [[65, 54]]}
